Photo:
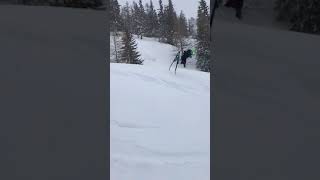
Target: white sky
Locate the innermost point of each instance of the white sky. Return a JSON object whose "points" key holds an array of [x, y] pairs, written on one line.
{"points": [[189, 7]]}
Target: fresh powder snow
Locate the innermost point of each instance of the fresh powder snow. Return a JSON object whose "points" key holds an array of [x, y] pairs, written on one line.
{"points": [[160, 121]]}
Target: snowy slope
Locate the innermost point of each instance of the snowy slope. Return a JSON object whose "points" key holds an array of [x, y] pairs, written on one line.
{"points": [[156, 54], [160, 125]]}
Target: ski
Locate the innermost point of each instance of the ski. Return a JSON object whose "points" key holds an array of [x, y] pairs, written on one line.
{"points": [[171, 64], [175, 70], [176, 59]]}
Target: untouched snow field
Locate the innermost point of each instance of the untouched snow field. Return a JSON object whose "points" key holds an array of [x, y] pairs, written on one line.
{"points": [[160, 122]]}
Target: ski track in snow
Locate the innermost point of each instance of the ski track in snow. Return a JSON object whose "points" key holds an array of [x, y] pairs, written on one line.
{"points": [[131, 125], [160, 121]]}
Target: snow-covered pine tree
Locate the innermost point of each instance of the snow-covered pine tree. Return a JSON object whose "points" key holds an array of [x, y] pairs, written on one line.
{"points": [[146, 8], [136, 25], [115, 49], [115, 27], [181, 32], [192, 27], [148, 28], [126, 17], [183, 24], [151, 20], [170, 17], [203, 40], [161, 19], [141, 7], [128, 53], [115, 17], [141, 20]]}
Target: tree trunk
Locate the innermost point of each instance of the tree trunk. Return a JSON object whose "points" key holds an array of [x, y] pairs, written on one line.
{"points": [[115, 45]]}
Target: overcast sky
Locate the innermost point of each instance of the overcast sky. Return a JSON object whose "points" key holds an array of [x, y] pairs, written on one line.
{"points": [[189, 7]]}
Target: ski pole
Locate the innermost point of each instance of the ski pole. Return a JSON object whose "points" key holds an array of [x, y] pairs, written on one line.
{"points": [[175, 71], [175, 59], [171, 64]]}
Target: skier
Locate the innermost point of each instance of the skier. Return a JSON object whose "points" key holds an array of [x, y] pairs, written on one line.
{"points": [[185, 55], [237, 5]]}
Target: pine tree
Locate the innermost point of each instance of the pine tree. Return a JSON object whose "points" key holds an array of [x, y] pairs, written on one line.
{"points": [[183, 25], [203, 42], [115, 50], [136, 24], [141, 20], [114, 15], [181, 32], [170, 19], [141, 6], [116, 25], [161, 20], [146, 8], [129, 52], [191, 27], [151, 21], [126, 17]]}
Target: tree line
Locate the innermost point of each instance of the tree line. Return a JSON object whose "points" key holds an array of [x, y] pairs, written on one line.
{"points": [[143, 20]]}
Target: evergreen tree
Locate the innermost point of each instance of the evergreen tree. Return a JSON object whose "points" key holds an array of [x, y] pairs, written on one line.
{"points": [[126, 17], [303, 15], [181, 32], [115, 51], [203, 41], [151, 20], [116, 25], [192, 27], [170, 19], [183, 27], [128, 53], [136, 23], [141, 7], [114, 15], [146, 8], [161, 21], [141, 19]]}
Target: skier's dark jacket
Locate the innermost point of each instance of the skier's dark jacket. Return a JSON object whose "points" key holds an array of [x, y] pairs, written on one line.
{"points": [[185, 55]]}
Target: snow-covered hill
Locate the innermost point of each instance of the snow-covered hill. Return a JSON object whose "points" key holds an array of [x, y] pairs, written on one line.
{"points": [[160, 122]]}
